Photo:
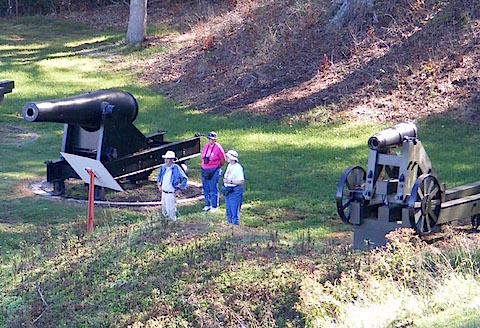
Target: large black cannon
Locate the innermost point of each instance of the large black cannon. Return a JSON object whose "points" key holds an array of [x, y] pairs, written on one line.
{"points": [[400, 189], [6, 87], [99, 125]]}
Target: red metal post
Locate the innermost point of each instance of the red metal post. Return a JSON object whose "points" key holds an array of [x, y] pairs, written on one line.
{"points": [[91, 198]]}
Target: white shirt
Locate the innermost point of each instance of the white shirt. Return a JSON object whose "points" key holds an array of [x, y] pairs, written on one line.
{"points": [[167, 180], [234, 172]]}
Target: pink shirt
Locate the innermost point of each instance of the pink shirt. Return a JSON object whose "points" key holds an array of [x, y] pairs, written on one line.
{"points": [[216, 156]]}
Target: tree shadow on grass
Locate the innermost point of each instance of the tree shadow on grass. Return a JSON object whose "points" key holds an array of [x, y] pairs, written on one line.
{"points": [[146, 272]]}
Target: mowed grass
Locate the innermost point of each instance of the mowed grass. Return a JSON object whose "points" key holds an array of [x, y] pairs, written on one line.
{"points": [[136, 269]]}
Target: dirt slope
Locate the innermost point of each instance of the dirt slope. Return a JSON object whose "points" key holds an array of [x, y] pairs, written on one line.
{"points": [[401, 59]]}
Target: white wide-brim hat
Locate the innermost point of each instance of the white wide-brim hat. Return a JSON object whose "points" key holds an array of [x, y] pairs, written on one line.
{"points": [[232, 154], [169, 155]]}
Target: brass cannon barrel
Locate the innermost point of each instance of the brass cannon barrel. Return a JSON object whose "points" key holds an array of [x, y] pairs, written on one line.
{"points": [[392, 137], [84, 109]]}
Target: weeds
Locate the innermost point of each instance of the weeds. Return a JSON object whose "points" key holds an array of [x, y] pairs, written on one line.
{"points": [[407, 283]]}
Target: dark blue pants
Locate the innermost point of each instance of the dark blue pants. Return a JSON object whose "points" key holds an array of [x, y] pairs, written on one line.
{"points": [[210, 189], [233, 202]]}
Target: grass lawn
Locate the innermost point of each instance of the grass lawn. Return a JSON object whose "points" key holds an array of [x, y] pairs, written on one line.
{"points": [[136, 269]]}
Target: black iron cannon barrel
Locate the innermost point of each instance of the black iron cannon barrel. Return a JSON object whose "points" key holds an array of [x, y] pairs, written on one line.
{"points": [[84, 109], [392, 137], [6, 87]]}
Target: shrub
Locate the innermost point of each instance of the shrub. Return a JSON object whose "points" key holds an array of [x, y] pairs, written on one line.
{"points": [[407, 282]]}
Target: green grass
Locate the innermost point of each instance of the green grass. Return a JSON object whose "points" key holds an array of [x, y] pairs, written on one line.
{"points": [[136, 268]]}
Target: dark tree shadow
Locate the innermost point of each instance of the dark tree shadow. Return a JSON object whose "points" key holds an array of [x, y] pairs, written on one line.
{"points": [[215, 80]]}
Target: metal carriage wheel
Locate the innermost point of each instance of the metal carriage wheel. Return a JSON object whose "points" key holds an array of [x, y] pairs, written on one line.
{"points": [[424, 203], [350, 188]]}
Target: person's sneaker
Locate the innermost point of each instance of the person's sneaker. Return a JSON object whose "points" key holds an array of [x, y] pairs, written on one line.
{"points": [[213, 209], [206, 208]]}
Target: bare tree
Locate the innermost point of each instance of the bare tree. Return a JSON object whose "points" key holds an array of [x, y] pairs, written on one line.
{"points": [[137, 21], [350, 10]]}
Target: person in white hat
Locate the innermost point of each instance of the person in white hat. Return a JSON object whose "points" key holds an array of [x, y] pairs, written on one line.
{"points": [[213, 157], [233, 187], [170, 180]]}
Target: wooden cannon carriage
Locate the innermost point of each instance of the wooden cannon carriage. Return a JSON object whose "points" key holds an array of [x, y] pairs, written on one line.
{"points": [[400, 189]]}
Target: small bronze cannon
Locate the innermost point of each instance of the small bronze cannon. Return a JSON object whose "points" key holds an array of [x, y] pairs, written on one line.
{"points": [[99, 125], [400, 189]]}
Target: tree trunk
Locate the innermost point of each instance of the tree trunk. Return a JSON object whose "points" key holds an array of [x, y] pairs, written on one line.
{"points": [[137, 21], [350, 11]]}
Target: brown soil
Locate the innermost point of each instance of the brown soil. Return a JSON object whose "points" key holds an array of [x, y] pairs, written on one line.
{"points": [[145, 191], [13, 135], [281, 59]]}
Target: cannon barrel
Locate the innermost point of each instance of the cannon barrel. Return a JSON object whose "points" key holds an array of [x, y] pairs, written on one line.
{"points": [[6, 87], [84, 109], [392, 137]]}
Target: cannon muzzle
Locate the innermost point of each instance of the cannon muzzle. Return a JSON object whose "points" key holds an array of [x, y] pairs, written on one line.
{"points": [[85, 110], [392, 137]]}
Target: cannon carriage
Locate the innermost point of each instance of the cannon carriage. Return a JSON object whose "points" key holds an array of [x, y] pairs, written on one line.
{"points": [[400, 188], [99, 125]]}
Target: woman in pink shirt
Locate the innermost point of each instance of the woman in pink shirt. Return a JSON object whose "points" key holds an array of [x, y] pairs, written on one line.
{"points": [[213, 157]]}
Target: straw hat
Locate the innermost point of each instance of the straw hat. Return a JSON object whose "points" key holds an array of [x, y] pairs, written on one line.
{"points": [[232, 154], [169, 155]]}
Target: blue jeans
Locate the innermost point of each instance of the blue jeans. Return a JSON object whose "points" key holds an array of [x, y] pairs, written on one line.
{"points": [[210, 189], [233, 202]]}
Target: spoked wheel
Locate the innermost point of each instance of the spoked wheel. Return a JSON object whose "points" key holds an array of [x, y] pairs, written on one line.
{"points": [[424, 203], [350, 188]]}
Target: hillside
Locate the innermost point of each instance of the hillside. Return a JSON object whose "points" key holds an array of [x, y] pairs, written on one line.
{"points": [[397, 61], [290, 262]]}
